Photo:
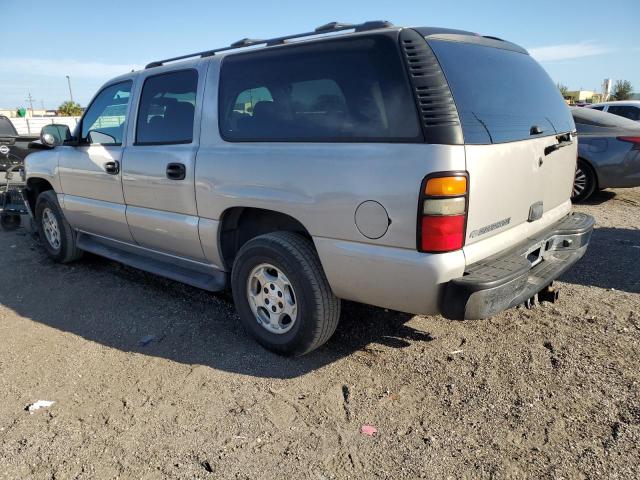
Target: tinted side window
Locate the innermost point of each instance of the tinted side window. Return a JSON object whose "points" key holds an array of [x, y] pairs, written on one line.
{"points": [[103, 123], [598, 108], [167, 108], [338, 90], [632, 113]]}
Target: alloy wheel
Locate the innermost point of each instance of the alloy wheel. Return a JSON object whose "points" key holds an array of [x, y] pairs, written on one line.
{"points": [[272, 299], [51, 228]]}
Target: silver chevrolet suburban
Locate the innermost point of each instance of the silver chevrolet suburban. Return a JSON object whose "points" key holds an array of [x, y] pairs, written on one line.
{"points": [[424, 170]]}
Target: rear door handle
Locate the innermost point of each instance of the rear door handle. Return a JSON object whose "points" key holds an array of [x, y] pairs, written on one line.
{"points": [[552, 148], [112, 168], [176, 171], [563, 141]]}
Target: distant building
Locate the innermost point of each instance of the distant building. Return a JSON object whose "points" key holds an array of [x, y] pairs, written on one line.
{"points": [[586, 96]]}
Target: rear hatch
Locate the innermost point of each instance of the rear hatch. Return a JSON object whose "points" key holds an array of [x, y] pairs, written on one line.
{"points": [[520, 152]]}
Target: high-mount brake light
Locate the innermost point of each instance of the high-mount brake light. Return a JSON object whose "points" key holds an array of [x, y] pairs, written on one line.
{"points": [[443, 212]]}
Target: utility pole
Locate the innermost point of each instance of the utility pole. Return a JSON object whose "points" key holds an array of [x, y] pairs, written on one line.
{"points": [[70, 92], [30, 100]]}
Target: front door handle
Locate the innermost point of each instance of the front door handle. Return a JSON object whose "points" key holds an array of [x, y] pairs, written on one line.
{"points": [[176, 171], [112, 168]]}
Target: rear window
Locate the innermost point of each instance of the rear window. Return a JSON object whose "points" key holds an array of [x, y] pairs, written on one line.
{"points": [[500, 94], [591, 116], [6, 127], [337, 90]]}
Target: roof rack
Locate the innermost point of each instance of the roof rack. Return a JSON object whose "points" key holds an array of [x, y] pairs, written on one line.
{"points": [[249, 42]]}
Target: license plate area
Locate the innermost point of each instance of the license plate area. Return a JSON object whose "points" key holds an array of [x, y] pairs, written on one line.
{"points": [[535, 253]]}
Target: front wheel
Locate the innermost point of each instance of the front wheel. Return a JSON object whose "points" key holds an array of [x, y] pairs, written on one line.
{"points": [[584, 182], [282, 295], [57, 236]]}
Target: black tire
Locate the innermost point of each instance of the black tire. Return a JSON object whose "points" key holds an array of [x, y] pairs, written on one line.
{"points": [[9, 221], [584, 183], [66, 251], [318, 309]]}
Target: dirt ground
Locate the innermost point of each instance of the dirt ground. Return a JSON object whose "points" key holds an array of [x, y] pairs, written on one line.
{"points": [[552, 392]]}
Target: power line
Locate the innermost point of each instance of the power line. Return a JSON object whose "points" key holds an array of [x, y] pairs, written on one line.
{"points": [[30, 100]]}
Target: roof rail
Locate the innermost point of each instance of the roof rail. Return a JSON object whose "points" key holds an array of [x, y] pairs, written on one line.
{"points": [[249, 42]]}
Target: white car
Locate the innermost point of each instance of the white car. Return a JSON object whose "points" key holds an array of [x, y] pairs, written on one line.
{"points": [[626, 108]]}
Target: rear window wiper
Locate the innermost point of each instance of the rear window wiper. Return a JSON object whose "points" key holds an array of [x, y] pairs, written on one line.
{"points": [[563, 141]]}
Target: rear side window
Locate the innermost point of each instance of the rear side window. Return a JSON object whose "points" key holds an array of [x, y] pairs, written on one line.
{"points": [[500, 94], [6, 127], [338, 90], [632, 113], [167, 108], [598, 108]]}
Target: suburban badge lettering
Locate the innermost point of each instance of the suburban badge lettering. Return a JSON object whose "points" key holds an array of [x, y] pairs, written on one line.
{"points": [[489, 228]]}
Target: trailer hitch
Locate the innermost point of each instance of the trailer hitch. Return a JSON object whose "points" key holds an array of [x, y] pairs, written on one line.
{"points": [[549, 294]]}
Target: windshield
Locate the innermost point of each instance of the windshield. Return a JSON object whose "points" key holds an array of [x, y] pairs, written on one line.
{"points": [[6, 127], [500, 94]]}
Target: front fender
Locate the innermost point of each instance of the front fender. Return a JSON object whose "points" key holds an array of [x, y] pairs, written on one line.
{"points": [[44, 165]]}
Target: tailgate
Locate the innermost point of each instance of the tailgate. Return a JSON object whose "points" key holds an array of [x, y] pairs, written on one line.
{"points": [[520, 151], [513, 183]]}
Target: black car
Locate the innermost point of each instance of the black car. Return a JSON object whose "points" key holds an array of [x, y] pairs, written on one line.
{"points": [[13, 150], [13, 147]]}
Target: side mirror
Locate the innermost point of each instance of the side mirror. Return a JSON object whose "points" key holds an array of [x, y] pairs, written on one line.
{"points": [[56, 134]]}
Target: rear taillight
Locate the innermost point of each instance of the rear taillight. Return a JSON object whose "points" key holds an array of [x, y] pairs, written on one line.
{"points": [[635, 140], [443, 212]]}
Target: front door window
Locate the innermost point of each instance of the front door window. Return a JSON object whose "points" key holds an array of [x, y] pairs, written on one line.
{"points": [[103, 123]]}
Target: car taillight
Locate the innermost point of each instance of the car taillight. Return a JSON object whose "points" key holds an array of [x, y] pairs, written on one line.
{"points": [[635, 140], [443, 212]]}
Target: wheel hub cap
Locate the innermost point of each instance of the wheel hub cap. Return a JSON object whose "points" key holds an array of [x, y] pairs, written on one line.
{"points": [[51, 229], [580, 182], [272, 299]]}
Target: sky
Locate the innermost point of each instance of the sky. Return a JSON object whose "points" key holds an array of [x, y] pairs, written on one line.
{"points": [[578, 43]]}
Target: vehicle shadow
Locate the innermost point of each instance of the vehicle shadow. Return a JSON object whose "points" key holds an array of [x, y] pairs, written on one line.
{"points": [[599, 197], [612, 261], [123, 308]]}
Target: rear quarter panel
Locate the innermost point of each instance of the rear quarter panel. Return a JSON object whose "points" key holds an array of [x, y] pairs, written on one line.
{"points": [[616, 163]]}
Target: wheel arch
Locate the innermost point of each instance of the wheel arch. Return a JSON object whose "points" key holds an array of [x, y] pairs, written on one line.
{"points": [[35, 186], [240, 224]]}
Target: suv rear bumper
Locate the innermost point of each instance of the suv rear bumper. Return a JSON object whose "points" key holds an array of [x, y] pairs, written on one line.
{"points": [[509, 278]]}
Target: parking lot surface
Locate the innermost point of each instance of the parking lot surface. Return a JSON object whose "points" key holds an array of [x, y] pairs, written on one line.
{"points": [[154, 379]]}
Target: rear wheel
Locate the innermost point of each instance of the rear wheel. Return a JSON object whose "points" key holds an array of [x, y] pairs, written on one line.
{"points": [[282, 295], [584, 182], [57, 236], [9, 221]]}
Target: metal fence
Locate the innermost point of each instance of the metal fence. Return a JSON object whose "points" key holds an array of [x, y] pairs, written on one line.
{"points": [[32, 126]]}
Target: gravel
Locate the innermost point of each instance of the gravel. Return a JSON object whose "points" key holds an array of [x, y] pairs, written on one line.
{"points": [[552, 392]]}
